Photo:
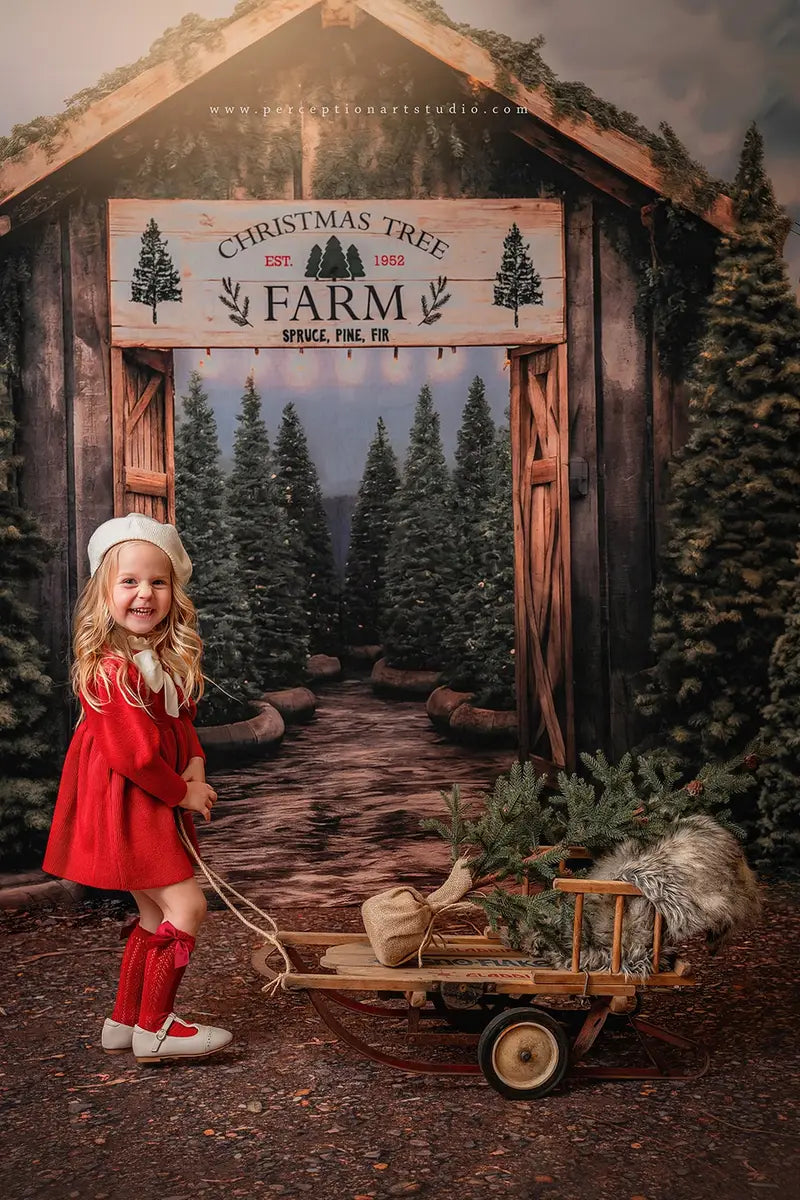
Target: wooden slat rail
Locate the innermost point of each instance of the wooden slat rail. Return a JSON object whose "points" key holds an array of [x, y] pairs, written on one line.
{"points": [[607, 887], [600, 887]]}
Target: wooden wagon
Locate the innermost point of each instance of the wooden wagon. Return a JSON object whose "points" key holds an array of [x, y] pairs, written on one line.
{"points": [[531, 1025]]}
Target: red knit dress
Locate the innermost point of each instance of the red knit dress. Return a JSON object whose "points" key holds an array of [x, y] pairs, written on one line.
{"points": [[114, 825]]}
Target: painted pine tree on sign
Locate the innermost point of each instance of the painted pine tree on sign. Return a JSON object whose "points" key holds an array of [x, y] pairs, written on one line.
{"points": [[354, 263], [314, 260], [156, 278], [333, 264], [517, 281]]}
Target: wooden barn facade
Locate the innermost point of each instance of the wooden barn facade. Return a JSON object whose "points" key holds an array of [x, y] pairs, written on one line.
{"points": [[594, 422]]}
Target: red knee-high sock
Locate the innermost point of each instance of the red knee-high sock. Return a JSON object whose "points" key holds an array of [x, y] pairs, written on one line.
{"points": [[167, 959], [131, 976]]}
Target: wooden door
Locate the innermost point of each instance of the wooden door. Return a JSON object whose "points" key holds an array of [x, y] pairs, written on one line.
{"points": [[142, 393], [540, 466]]}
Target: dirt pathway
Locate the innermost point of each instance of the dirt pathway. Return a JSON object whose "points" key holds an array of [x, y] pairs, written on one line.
{"points": [[335, 814]]}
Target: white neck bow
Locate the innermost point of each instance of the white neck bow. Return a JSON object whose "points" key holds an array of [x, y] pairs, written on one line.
{"points": [[154, 674]]}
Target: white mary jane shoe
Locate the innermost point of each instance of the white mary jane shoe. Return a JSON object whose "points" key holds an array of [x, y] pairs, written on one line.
{"points": [[155, 1047], [116, 1038]]}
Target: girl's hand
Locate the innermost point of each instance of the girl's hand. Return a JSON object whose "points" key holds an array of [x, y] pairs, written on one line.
{"points": [[196, 771], [199, 798]]}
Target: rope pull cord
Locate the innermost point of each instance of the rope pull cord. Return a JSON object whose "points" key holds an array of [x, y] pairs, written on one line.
{"points": [[218, 884]]}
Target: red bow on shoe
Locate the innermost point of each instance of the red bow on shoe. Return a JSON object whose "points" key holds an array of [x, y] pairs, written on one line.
{"points": [[184, 942]]}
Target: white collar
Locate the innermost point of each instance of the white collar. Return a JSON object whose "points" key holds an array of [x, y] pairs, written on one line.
{"points": [[154, 675]]}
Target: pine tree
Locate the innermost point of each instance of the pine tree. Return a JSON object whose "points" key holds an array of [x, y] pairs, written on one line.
{"points": [[334, 264], [369, 540], [472, 488], [314, 260], [215, 587], [779, 800], [269, 572], [27, 769], [420, 562], [734, 510], [155, 279], [524, 827], [301, 497], [517, 281], [354, 263], [485, 607]]}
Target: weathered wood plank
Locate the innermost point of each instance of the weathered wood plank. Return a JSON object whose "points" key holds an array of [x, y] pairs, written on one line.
{"points": [[565, 552], [670, 430], [86, 298], [585, 166], [43, 443], [609, 145], [144, 482], [118, 409], [627, 479], [248, 271], [589, 637], [143, 403], [169, 435], [141, 95], [341, 12]]}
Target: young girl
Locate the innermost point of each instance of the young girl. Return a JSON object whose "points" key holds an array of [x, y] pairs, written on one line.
{"points": [[133, 760]]}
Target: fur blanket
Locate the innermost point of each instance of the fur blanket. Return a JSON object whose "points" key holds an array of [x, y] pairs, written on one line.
{"points": [[696, 876]]}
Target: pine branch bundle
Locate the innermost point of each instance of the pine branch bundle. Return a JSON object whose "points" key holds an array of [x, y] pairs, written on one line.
{"points": [[522, 830]]}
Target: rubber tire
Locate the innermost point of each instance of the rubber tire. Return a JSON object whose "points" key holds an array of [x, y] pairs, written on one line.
{"points": [[499, 1025]]}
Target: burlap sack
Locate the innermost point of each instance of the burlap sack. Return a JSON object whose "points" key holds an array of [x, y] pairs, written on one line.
{"points": [[399, 920]]}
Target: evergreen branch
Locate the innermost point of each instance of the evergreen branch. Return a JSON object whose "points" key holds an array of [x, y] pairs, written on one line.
{"points": [[239, 315], [439, 297]]}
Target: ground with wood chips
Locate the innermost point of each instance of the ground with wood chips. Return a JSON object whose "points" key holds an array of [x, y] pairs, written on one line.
{"points": [[290, 1113]]}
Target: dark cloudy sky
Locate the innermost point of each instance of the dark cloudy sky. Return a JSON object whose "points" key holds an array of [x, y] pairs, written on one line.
{"points": [[708, 67]]}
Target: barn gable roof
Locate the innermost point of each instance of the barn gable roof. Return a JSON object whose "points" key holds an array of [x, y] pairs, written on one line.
{"points": [[609, 159]]}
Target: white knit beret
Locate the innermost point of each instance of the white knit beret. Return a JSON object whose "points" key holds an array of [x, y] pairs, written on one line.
{"points": [[136, 527]]}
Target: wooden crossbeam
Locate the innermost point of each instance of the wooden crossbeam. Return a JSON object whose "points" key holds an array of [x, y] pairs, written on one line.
{"points": [[143, 403], [543, 470], [145, 483], [610, 146], [341, 12]]}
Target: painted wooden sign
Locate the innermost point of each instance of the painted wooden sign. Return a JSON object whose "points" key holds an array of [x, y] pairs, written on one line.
{"points": [[336, 273]]}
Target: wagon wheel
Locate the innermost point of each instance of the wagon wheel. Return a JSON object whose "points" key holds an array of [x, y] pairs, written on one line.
{"points": [[523, 1053], [467, 1007]]}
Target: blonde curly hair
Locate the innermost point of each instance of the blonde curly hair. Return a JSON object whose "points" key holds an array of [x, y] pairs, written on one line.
{"points": [[97, 638]]}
